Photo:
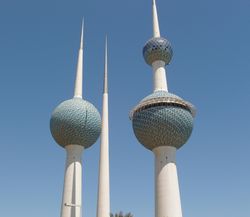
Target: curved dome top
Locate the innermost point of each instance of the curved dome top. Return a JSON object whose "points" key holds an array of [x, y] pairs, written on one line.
{"points": [[160, 93], [162, 97], [75, 121]]}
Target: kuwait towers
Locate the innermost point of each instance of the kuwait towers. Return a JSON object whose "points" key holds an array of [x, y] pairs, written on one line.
{"points": [[75, 125], [163, 122]]}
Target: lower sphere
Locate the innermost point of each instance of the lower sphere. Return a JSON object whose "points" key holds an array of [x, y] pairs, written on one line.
{"points": [[163, 126]]}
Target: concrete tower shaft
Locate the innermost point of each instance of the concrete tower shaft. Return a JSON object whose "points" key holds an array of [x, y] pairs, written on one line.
{"points": [[72, 191], [167, 194]]}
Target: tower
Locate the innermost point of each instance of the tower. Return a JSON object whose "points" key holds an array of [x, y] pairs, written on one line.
{"points": [[75, 125], [162, 122], [103, 201]]}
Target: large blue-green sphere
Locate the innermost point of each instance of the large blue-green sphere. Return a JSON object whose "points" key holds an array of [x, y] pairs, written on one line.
{"points": [[75, 121], [157, 49], [162, 119]]}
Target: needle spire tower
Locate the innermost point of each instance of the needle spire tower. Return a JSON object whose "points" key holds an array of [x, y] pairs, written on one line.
{"points": [[103, 202]]}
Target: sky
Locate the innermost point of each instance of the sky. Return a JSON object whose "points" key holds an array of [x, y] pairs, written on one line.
{"points": [[39, 43]]}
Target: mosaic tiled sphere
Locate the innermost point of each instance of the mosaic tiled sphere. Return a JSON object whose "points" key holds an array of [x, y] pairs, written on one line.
{"points": [[157, 49], [162, 124], [75, 121]]}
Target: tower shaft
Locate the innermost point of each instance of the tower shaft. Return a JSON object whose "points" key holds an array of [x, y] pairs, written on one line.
{"points": [[167, 195], [72, 192], [159, 76]]}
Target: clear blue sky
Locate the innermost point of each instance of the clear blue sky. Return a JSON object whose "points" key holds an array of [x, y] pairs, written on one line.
{"points": [[39, 41]]}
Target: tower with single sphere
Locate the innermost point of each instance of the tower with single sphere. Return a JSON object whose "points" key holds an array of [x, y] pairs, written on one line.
{"points": [[75, 125], [163, 122]]}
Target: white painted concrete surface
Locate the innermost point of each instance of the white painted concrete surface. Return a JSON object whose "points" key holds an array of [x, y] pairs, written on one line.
{"points": [[79, 70], [156, 29], [167, 195], [159, 75], [72, 192], [103, 201]]}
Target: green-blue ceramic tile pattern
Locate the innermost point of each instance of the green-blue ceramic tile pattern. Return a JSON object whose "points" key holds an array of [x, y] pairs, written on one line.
{"points": [[157, 49], [166, 125], [75, 121]]}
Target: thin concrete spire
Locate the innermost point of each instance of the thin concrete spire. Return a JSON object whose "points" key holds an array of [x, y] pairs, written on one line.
{"points": [[156, 28], [105, 85], [81, 45], [79, 71], [103, 198]]}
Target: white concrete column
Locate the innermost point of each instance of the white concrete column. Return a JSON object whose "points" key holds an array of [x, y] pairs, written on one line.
{"points": [[167, 195], [72, 192], [103, 203], [160, 80], [78, 81]]}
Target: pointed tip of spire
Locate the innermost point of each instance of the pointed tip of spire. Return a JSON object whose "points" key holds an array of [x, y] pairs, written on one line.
{"points": [[82, 32], [106, 42], [105, 86], [156, 28]]}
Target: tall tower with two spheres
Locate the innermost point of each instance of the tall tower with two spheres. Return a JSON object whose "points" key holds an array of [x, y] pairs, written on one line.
{"points": [[162, 122], [75, 125]]}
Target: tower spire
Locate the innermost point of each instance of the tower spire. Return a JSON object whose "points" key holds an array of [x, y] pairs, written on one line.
{"points": [[156, 28], [105, 85], [79, 70]]}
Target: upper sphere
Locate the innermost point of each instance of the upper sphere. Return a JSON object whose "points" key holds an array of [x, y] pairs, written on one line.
{"points": [[75, 121], [157, 49], [162, 119]]}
